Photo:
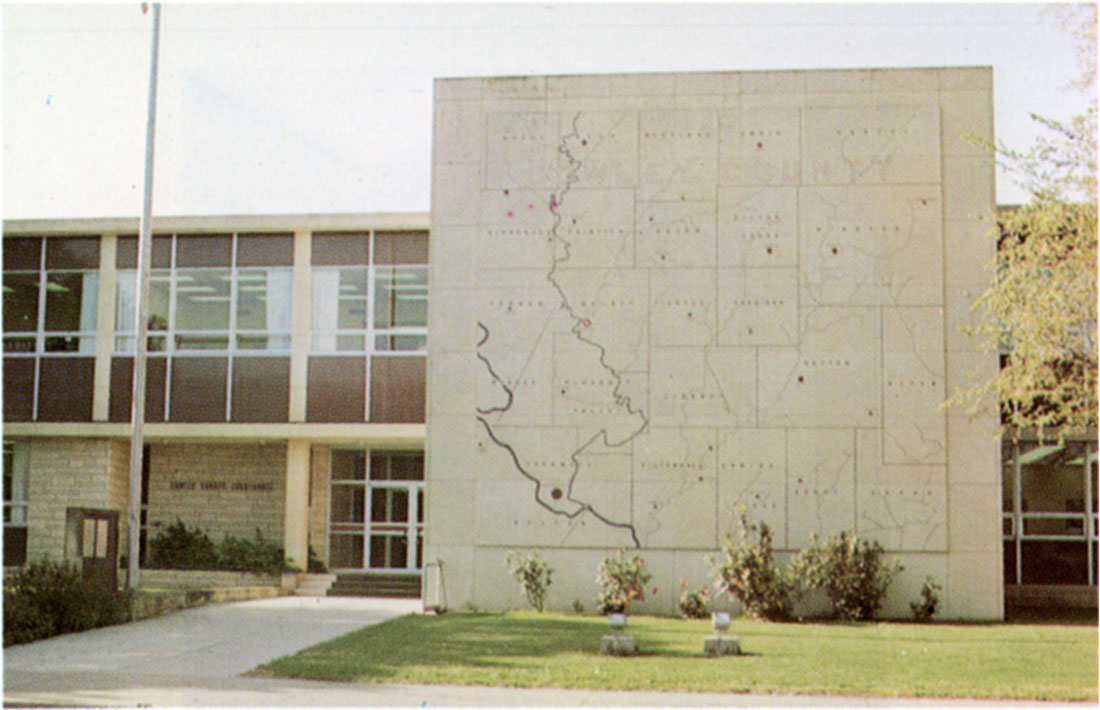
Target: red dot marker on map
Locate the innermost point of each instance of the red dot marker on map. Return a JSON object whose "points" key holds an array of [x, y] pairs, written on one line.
{"points": [[586, 323]]}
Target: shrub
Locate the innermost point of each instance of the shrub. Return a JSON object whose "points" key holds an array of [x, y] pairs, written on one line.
{"points": [[238, 554], [851, 571], [578, 607], [533, 575], [181, 547], [693, 603], [315, 565], [50, 598], [929, 602], [746, 571], [621, 581]]}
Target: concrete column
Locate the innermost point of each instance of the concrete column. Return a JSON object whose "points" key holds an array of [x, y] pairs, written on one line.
{"points": [[296, 526], [105, 327], [300, 324]]}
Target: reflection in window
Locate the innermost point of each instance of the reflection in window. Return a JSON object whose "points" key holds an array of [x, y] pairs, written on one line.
{"points": [[215, 309], [63, 301], [15, 504]]}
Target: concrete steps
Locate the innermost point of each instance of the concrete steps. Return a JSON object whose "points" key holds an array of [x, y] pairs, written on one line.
{"points": [[398, 586], [314, 585]]}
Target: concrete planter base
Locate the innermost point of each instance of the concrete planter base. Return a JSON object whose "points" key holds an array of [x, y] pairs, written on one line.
{"points": [[618, 645], [721, 646]]}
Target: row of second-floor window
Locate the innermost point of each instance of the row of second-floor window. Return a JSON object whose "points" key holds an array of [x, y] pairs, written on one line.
{"points": [[357, 305], [219, 292], [218, 305]]}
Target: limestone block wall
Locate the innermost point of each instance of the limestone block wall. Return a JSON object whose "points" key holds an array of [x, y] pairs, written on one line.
{"points": [[71, 472], [319, 496], [658, 299], [224, 489]]}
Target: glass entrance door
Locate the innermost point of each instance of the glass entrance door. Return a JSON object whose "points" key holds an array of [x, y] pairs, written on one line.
{"points": [[377, 510]]}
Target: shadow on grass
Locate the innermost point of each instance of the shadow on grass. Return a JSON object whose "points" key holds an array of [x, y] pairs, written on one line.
{"points": [[467, 639]]}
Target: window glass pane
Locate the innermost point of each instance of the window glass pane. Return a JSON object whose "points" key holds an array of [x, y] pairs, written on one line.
{"points": [[379, 466], [339, 303], [9, 471], [1094, 469], [400, 343], [71, 301], [348, 465], [263, 299], [400, 296], [407, 467], [263, 342], [20, 303], [70, 344], [399, 505], [202, 299], [348, 504], [1052, 477], [352, 308], [345, 551], [126, 300], [19, 345], [379, 505], [1008, 470]]}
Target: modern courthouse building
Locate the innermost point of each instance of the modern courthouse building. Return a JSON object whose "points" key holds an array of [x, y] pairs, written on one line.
{"points": [[647, 302]]}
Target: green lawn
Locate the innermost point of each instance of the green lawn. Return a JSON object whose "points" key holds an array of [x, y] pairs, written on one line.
{"points": [[525, 649]]}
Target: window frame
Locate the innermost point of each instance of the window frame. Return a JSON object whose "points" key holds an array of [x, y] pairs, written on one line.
{"points": [[167, 342], [18, 457], [39, 336]]}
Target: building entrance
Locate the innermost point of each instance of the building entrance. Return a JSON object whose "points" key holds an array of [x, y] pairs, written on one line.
{"points": [[376, 519], [1050, 513]]}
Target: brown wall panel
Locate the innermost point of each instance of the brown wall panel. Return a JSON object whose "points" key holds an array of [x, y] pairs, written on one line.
{"points": [[198, 389], [18, 389], [204, 250], [265, 250], [65, 389], [341, 249], [335, 389], [122, 388], [126, 252], [22, 253], [397, 389], [261, 389], [72, 253], [400, 247]]}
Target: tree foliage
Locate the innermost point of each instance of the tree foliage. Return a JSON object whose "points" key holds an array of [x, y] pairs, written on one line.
{"points": [[1040, 310]]}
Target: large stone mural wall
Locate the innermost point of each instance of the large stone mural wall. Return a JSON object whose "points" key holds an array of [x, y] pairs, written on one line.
{"points": [[659, 299]]}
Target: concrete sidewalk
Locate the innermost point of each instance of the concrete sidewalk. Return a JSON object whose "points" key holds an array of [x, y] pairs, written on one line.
{"points": [[195, 657]]}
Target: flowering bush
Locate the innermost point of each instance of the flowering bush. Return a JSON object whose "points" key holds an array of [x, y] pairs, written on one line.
{"points": [[693, 602], [851, 571], [533, 574], [621, 581], [744, 569]]}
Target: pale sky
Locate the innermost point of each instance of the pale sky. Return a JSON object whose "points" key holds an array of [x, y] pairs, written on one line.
{"points": [[267, 109]]}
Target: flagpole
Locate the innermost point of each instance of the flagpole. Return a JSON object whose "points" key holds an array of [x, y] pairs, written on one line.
{"points": [[141, 315]]}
